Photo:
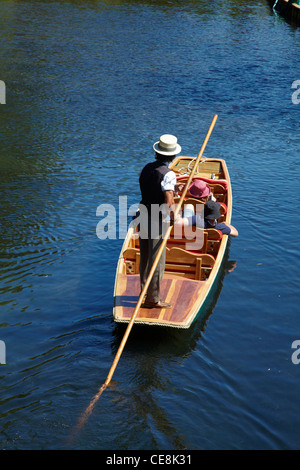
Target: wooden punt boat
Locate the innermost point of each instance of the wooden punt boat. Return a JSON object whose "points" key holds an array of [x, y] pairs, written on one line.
{"points": [[189, 274]]}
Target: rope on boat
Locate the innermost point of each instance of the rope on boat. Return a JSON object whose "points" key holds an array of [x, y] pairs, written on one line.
{"points": [[188, 170]]}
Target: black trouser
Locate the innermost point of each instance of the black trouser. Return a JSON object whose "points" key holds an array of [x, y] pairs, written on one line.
{"points": [[149, 248]]}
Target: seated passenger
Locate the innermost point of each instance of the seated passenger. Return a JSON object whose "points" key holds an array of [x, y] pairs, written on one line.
{"points": [[211, 215], [201, 190], [210, 219]]}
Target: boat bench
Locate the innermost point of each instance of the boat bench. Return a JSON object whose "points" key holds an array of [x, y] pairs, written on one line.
{"points": [[214, 238], [178, 262], [218, 191], [217, 187], [207, 241], [194, 202]]}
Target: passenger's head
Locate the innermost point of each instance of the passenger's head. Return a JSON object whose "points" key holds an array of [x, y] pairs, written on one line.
{"points": [[212, 210], [199, 189]]}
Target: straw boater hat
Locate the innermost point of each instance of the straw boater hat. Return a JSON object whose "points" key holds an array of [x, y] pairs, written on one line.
{"points": [[199, 188], [167, 145]]}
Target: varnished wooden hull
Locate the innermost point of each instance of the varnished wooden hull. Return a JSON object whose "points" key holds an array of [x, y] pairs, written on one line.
{"points": [[186, 293]]}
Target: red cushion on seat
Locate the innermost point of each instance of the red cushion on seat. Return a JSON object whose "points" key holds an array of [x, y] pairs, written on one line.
{"points": [[224, 206], [224, 183]]}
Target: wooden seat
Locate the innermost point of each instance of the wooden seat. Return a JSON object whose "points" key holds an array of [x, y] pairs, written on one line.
{"points": [[218, 189], [198, 241], [220, 197], [131, 261], [205, 240], [134, 241], [219, 192], [214, 238], [178, 261], [189, 265], [189, 238]]}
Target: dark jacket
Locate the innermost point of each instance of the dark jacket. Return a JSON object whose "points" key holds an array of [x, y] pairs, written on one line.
{"points": [[150, 183]]}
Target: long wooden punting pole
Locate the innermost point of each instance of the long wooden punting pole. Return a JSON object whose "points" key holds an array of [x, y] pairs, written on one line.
{"points": [[89, 409]]}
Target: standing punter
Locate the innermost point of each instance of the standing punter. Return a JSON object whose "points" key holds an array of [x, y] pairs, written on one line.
{"points": [[157, 184]]}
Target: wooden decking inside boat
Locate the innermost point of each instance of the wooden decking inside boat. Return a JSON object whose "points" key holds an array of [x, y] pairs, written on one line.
{"points": [[184, 295], [208, 169]]}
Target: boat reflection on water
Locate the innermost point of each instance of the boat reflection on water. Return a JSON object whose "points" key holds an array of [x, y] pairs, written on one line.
{"points": [[150, 354]]}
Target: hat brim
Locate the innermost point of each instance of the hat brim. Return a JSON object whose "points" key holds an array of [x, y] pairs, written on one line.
{"points": [[212, 216], [176, 151], [205, 193]]}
